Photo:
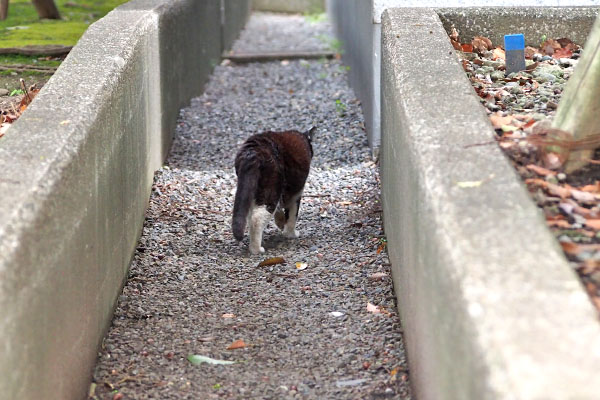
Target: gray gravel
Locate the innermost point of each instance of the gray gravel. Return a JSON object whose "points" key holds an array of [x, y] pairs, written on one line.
{"points": [[193, 289], [284, 32]]}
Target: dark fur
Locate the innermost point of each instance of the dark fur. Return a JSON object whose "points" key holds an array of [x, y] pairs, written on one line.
{"points": [[271, 168]]}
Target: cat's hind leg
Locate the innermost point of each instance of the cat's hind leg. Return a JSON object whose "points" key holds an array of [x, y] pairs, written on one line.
{"points": [[291, 216], [280, 217], [259, 218]]}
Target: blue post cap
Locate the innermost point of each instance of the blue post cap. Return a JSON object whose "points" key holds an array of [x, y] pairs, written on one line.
{"points": [[514, 42]]}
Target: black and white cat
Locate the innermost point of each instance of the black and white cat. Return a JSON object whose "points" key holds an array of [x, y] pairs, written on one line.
{"points": [[272, 168]]}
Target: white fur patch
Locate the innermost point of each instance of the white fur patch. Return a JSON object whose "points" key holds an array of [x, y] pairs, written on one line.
{"points": [[259, 218]]}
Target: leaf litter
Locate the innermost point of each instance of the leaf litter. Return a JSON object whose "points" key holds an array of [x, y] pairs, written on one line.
{"points": [[520, 107]]}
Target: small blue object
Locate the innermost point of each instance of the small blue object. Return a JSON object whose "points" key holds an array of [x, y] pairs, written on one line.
{"points": [[514, 42], [514, 45]]}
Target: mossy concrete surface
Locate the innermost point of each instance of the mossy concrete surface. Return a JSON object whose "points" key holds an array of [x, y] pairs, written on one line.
{"points": [[490, 307], [290, 6], [77, 171]]}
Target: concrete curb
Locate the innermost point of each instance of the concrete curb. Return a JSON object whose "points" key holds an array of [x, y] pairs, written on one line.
{"points": [[490, 307], [358, 25], [77, 169]]}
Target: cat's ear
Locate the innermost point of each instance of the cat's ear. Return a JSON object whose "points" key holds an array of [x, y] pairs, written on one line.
{"points": [[311, 132]]}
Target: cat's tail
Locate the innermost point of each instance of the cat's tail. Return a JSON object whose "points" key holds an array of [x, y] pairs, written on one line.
{"points": [[247, 183]]}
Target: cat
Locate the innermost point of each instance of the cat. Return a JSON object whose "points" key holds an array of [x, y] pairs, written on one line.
{"points": [[272, 168]]}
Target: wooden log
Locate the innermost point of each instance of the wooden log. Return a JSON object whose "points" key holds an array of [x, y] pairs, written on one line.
{"points": [[579, 110], [46, 50], [274, 56]]}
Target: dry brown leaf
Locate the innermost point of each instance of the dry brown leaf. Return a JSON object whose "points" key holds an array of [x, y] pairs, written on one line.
{"points": [[499, 121], [454, 34], [562, 53], [570, 247], [271, 261], [467, 48], [481, 44], [373, 308], [560, 223], [556, 190], [238, 344], [584, 197], [550, 46], [541, 170], [530, 51], [593, 223], [498, 54], [595, 188]]}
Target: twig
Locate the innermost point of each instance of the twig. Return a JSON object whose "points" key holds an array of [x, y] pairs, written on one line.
{"points": [[479, 144], [25, 90], [274, 56]]}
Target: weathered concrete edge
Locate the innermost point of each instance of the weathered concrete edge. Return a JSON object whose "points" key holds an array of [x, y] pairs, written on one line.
{"points": [[77, 170], [494, 22], [491, 308]]}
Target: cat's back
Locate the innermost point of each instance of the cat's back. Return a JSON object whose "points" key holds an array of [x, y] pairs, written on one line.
{"points": [[294, 146]]}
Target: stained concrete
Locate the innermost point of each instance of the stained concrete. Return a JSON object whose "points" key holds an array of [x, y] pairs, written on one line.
{"points": [[77, 170], [490, 307]]}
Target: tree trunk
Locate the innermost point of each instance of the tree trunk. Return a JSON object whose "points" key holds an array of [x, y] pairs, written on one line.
{"points": [[579, 110], [46, 9], [3, 9]]}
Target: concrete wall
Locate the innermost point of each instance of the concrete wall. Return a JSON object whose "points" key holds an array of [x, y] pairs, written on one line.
{"points": [[490, 307], [77, 169], [358, 26], [290, 6], [361, 42], [235, 13]]}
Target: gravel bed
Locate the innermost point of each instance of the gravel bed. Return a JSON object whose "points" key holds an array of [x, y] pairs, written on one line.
{"points": [[329, 331], [270, 32]]}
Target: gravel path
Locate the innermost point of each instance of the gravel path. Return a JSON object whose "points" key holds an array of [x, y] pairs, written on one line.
{"points": [[329, 331]]}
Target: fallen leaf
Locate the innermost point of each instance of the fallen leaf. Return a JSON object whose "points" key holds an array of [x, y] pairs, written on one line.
{"points": [[593, 223], [570, 247], [481, 44], [301, 266], [584, 197], [271, 261], [595, 188], [550, 46], [562, 53], [498, 54], [198, 359], [532, 66], [373, 308], [541, 170], [498, 121], [530, 52], [467, 48], [238, 344], [552, 188], [454, 34], [228, 316], [469, 184]]}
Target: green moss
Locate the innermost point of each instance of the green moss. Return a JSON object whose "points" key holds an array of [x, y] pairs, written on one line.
{"points": [[23, 26]]}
